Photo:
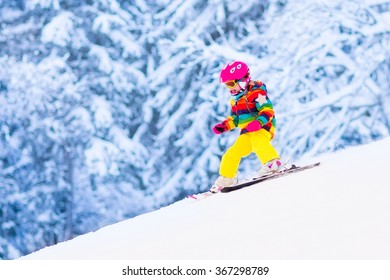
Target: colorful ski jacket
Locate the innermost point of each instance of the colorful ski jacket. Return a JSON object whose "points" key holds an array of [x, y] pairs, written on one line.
{"points": [[250, 105]]}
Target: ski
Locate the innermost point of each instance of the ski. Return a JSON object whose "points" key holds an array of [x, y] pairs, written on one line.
{"points": [[292, 169], [247, 183]]}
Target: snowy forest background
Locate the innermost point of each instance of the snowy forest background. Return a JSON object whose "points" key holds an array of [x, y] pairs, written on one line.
{"points": [[106, 105]]}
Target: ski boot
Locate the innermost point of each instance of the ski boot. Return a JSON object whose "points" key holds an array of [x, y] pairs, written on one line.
{"points": [[223, 182], [271, 167]]}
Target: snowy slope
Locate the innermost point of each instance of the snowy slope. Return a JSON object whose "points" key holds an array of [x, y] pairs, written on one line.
{"points": [[339, 210]]}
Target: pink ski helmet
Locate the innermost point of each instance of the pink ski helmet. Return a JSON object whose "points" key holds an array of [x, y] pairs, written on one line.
{"points": [[235, 70]]}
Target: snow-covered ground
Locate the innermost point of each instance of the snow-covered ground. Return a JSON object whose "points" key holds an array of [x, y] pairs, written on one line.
{"points": [[340, 210]]}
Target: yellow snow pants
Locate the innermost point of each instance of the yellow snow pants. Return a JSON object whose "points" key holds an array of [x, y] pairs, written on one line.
{"points": [[258, 142]]}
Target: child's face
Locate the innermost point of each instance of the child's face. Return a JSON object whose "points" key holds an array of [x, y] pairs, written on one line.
{"points": [[235, 89]]}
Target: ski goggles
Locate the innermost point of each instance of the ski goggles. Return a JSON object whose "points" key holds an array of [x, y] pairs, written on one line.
{"points": [[233, 83]]}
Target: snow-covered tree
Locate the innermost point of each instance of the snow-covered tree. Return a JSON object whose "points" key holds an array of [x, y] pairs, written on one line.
{"points": [[68, 160]]}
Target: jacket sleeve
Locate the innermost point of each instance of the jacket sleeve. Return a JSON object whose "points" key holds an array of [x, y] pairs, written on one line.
{"points": [[263, 104], [231, 121]]}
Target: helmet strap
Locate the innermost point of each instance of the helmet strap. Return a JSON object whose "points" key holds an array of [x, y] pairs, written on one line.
{"points": [[243, 85]]}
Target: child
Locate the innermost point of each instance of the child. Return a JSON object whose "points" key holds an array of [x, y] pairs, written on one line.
{"points": [[253, 113]]}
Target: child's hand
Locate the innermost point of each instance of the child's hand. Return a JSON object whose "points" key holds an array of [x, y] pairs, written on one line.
{"points": [[219, 128], [253, 126]]}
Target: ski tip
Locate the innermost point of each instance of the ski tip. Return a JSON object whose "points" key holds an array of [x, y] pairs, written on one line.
{"points": [[200, 196], [307, 165]]}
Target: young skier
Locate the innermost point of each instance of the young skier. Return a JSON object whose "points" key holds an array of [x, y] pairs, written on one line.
{"points": [[252, 112]]}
